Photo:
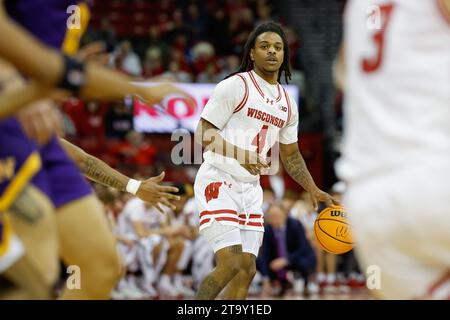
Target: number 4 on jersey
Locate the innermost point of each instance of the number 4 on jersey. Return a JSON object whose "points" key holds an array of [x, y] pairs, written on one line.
{"points": [[260, 139], [212, 191]]}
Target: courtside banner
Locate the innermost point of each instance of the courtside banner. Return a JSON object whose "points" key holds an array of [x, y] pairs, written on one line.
{"points": [[173, 113]]}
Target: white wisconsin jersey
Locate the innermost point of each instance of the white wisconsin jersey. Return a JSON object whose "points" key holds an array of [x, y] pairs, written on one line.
{"points": [[188, 216], [135, 210], [251, 114], [397, 99]]}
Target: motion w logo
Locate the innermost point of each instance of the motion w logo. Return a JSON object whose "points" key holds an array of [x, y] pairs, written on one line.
{"points": [[212, 191]]}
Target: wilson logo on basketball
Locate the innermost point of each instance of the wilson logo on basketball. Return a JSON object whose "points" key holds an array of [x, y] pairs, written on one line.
{"points": [[342, 232], [336, 213], [212, 191]]}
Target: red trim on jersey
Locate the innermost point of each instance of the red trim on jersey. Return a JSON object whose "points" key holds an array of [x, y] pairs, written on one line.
{"points": [[220, 219], [252, 77], [441, 281], [289, 106], [252, 224], [203, 213], [252, 216], [244, 100], [444, 10], [279, 93]]}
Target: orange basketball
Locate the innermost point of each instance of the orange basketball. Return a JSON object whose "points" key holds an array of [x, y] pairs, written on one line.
{"points": [[333, 231]]}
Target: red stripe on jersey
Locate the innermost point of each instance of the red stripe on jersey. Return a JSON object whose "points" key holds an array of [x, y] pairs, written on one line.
{"points": [[203, 213], [252, 77], [289, 106], [252, 216], [279, 93], [441, 281], [251, 224], [445, 10], [244, 100]]}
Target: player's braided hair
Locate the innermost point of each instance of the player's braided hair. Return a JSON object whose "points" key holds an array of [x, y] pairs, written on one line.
{"points": [[247, 63]]}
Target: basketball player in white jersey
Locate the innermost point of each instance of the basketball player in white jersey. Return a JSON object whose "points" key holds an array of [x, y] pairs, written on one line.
{"points": [[247, 113], [396, 147]]}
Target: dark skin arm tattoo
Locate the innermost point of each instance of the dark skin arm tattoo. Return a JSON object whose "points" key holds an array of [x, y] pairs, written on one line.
{"points": [[295, 166], [100, 172], [95, 169]]}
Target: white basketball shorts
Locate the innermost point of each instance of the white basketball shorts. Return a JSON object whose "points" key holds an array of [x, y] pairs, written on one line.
{"points": [[230, 210]]}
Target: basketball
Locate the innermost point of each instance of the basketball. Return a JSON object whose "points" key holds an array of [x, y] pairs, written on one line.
{"points": [[333, 231]]}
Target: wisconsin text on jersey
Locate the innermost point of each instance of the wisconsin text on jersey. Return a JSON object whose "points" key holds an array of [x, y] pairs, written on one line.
{"points": [[264, 116]]}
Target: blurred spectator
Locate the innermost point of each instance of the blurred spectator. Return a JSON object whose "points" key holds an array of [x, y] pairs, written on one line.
{"points": [[218, 31], [231, 65], [105, 34], [285, 248], [241, 24], [202, 54], [127, 60], [91, 131], [178, 74], [209, 75], [119, 120], [135, 150], [93, 121], [153, 62], [264, 12], [195, 19]]}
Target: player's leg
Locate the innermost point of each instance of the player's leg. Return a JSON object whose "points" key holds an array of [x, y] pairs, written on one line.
{"points": [[87, 241], [238, 287], [35, 273], [251, 201], [216, 197], [228, 263]]}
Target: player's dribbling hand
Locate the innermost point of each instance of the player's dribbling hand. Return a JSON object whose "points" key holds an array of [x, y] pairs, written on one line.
{"points": [[41, 120], [321, 196], [155, 194], [254, 163]]}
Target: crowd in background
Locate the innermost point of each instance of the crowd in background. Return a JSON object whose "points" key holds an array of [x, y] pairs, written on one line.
{"points": [[165, 257]]}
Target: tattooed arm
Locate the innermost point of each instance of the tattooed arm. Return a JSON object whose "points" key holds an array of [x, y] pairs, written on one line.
{"points": [[95, 169], [295, 166]]}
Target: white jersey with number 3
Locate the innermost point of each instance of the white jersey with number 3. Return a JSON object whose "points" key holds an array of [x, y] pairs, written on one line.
{"points": [[397, 102], [252, 114]]}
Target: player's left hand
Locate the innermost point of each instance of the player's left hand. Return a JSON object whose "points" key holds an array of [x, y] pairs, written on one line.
{"points": [[41, 120], [321, 196], [155, 194]]}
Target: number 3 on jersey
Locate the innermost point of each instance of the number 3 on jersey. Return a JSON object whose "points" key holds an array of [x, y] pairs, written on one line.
{"points": [[370, 65], [260, 139]]}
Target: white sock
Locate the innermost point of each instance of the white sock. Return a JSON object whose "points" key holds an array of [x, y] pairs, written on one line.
{"points": [[331, 277], [178, 280], [165, 279], [321, 277]]}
